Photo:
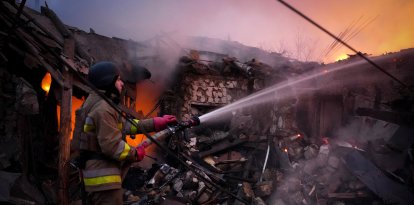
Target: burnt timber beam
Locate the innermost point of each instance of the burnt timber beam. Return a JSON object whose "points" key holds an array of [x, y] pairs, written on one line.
{"points": [[26, 39], [221, 147], [65, 126], [31, 19], [390, 191], [399, 118]]}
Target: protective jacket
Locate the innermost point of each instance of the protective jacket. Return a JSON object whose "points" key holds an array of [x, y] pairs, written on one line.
{"points": [[102, 136]]}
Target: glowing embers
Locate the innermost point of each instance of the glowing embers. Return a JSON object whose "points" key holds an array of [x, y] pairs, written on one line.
{"points": [[325, 140], [295, 137], [46, 82]]}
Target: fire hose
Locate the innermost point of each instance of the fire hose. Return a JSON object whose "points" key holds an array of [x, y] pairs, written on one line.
{"points": [[194, 121]]}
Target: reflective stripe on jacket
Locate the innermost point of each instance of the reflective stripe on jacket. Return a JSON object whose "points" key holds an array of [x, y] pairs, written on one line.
{"points": [[102, 134]]}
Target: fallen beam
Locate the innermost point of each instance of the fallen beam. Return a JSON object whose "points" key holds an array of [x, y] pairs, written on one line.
{"points": [[399, 118], [390, 191]]}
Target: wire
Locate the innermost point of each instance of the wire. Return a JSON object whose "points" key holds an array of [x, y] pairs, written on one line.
{"points": [[345, 44]]}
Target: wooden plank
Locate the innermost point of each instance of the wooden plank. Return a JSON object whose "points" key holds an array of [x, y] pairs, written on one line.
{"points": [[65, 128], [381, 185], [33, 50], [220, 147], [32, 20]]}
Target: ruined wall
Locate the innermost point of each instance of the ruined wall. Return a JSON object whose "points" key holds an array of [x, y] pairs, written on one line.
{"points": [[204, 93], [199, 93], [18, 105], [330, 111], [8, 123]]}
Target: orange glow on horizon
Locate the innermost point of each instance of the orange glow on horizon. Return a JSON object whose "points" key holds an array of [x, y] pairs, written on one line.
{"points": [[342, 57]]}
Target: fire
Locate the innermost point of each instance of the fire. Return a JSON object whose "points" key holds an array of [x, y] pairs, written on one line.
{"points": [[76, 104], [46, 82], [285, 150], [147, 96]]}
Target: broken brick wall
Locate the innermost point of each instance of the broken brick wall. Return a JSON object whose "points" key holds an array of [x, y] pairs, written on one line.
{"points": [[205, 87], [210, 92], [339, 95]]}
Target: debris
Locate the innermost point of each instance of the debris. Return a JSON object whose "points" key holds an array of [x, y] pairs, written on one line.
{"points": [[376, 181], [263, 188]]}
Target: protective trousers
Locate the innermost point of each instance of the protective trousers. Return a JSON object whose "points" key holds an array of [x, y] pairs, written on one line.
{"points": [[108, 197]]}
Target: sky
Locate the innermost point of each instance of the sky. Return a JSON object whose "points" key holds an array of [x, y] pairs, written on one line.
{"points": [[374, 26]]}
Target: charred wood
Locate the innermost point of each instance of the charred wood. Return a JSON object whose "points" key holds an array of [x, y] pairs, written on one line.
{"points": [[221, 147], [399, 118]]}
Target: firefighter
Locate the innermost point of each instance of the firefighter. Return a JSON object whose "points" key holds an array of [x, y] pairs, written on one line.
{"points": [[101, 145]]}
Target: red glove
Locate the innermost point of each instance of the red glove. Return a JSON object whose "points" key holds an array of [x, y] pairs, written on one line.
{"points": [[140, 152], [161, 123]]}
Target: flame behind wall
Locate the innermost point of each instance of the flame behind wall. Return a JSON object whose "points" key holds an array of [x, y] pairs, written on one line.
{"points": [[76, 104], [147, 97]]}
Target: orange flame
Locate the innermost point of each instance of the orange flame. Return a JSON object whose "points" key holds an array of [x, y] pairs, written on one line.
{"points": [[147, 95], [76, 104], [46, 82]]}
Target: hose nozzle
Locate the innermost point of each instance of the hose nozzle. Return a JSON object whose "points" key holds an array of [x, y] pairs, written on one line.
{"points": [[193, 121]]}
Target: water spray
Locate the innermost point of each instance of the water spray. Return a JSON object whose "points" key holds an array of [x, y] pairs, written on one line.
{"points": [[289, 88]]}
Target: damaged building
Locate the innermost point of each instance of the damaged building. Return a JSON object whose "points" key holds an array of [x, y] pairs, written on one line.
{"points": [[273, 130]]}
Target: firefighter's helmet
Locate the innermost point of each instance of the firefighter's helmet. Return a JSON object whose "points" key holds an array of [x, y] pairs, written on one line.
{"points": [[103, 74]]}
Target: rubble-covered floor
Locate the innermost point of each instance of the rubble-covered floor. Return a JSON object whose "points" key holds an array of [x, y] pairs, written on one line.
{"points": [[296, 172]]}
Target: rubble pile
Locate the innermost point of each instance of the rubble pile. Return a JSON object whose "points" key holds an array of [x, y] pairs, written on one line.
{"points": [[274, 170], [275, 153]]}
